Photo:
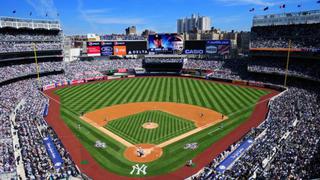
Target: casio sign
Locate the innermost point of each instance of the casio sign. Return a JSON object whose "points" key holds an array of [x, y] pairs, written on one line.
{"points": [[193, 51]]}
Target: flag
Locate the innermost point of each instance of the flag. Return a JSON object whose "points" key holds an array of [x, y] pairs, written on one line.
{"points": [[283, 6], [46, 14], [251, 10], [30, 14], [14, 11], [266, 8]]}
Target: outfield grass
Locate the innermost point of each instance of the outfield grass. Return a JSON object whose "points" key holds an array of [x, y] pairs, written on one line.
{"points": [[234, 101], [130, 127]]}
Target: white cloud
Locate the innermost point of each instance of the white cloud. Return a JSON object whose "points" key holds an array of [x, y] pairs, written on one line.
{"points": [[43, 7], [103, 16]]}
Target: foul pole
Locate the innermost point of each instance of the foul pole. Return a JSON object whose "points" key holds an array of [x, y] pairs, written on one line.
{"points": [[36, 61], [287, 66]]}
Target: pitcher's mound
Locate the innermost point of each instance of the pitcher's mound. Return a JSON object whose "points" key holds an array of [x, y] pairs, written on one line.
{"points": [[150, 125], [143, 153]]}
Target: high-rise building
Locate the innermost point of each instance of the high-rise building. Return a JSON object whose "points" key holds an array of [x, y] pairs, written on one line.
{"points": [[131, 30], [195, 23]]}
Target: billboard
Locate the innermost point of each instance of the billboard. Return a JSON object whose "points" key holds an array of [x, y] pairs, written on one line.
{"points": [[93, 48], [218, 47], [119, 50], [214, 47], [106, 48], [93, 37], [194, 47], [136, 47], [165, 43], [53, 152]]}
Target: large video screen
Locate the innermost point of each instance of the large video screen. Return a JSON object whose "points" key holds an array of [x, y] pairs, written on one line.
{"points": [[165, 43], [136, 47], [93, 48]]}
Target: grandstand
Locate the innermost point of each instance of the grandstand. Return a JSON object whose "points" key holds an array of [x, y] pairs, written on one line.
{"points": [[19, 37], [270, 36], [44, 132]]}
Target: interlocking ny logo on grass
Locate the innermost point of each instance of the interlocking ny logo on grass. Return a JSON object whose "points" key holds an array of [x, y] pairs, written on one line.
{"points": [[139, 169]]}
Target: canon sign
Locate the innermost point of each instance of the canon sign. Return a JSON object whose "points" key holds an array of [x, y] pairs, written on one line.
{"points": [[194, 51]]}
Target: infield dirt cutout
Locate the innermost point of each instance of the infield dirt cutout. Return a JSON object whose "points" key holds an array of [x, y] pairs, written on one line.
{"points": [[202, 117]]}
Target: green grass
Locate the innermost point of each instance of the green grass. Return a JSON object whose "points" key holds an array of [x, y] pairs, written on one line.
{"points": [[130, 127], [234, 101]]}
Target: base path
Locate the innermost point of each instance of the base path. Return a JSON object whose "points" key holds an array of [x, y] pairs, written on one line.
{"points": [[199, 115], [202, 117]]}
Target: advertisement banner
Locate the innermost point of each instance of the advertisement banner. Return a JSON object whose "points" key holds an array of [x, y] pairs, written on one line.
{"points": [[194, 47], [49, 86], [119, 50], [234, 155], [45, 110], [106, 48], [53, 152], [218, 47], [77, 81], [136, 47], [93, 48]]}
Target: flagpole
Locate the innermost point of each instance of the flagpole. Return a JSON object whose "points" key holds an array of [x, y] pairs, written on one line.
{"points": [[287, 66], [36, 61]]}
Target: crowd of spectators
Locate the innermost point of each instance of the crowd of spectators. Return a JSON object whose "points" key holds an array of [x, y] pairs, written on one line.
{"points": [[30, 38], [288, 146], [30, 128], [7, 72], [304, 36], [79, 68], [21, 40], [10, 46], [296, 68], [229, 69]]}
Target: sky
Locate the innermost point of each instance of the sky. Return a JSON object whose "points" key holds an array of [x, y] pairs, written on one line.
{"points": [[113, 16]]}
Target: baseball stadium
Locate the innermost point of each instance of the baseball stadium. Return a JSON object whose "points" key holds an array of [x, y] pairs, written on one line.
{"points": [[159, 116], [196, 103]]}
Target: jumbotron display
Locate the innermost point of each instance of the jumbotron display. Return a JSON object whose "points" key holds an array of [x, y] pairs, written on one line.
{"points": [[165, 43]]}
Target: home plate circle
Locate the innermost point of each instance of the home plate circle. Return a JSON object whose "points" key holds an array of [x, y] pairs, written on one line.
{"points": [[150, 125], [143, 153]]}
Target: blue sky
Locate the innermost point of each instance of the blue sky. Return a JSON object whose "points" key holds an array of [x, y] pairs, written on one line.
{"points": [[113, 16]]}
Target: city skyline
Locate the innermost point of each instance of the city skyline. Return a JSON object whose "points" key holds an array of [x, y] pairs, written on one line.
{"points": [[105, 17]]}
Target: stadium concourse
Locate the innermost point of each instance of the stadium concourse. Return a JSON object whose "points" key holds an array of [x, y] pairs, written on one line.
{"points": [[294, 115]]}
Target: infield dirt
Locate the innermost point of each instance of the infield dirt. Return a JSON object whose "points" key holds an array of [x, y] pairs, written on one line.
{"points": [[202, 118]]}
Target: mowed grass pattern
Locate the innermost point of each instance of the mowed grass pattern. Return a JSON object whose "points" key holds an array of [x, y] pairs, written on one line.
{"points": [[223, 98], [234, 101], [130, 128]]}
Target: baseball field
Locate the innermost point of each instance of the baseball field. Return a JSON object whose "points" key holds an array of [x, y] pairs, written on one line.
{"points": [[163, 114]]}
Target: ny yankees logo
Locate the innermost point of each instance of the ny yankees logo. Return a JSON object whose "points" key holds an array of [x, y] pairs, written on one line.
{"points": [[139, 169]]}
